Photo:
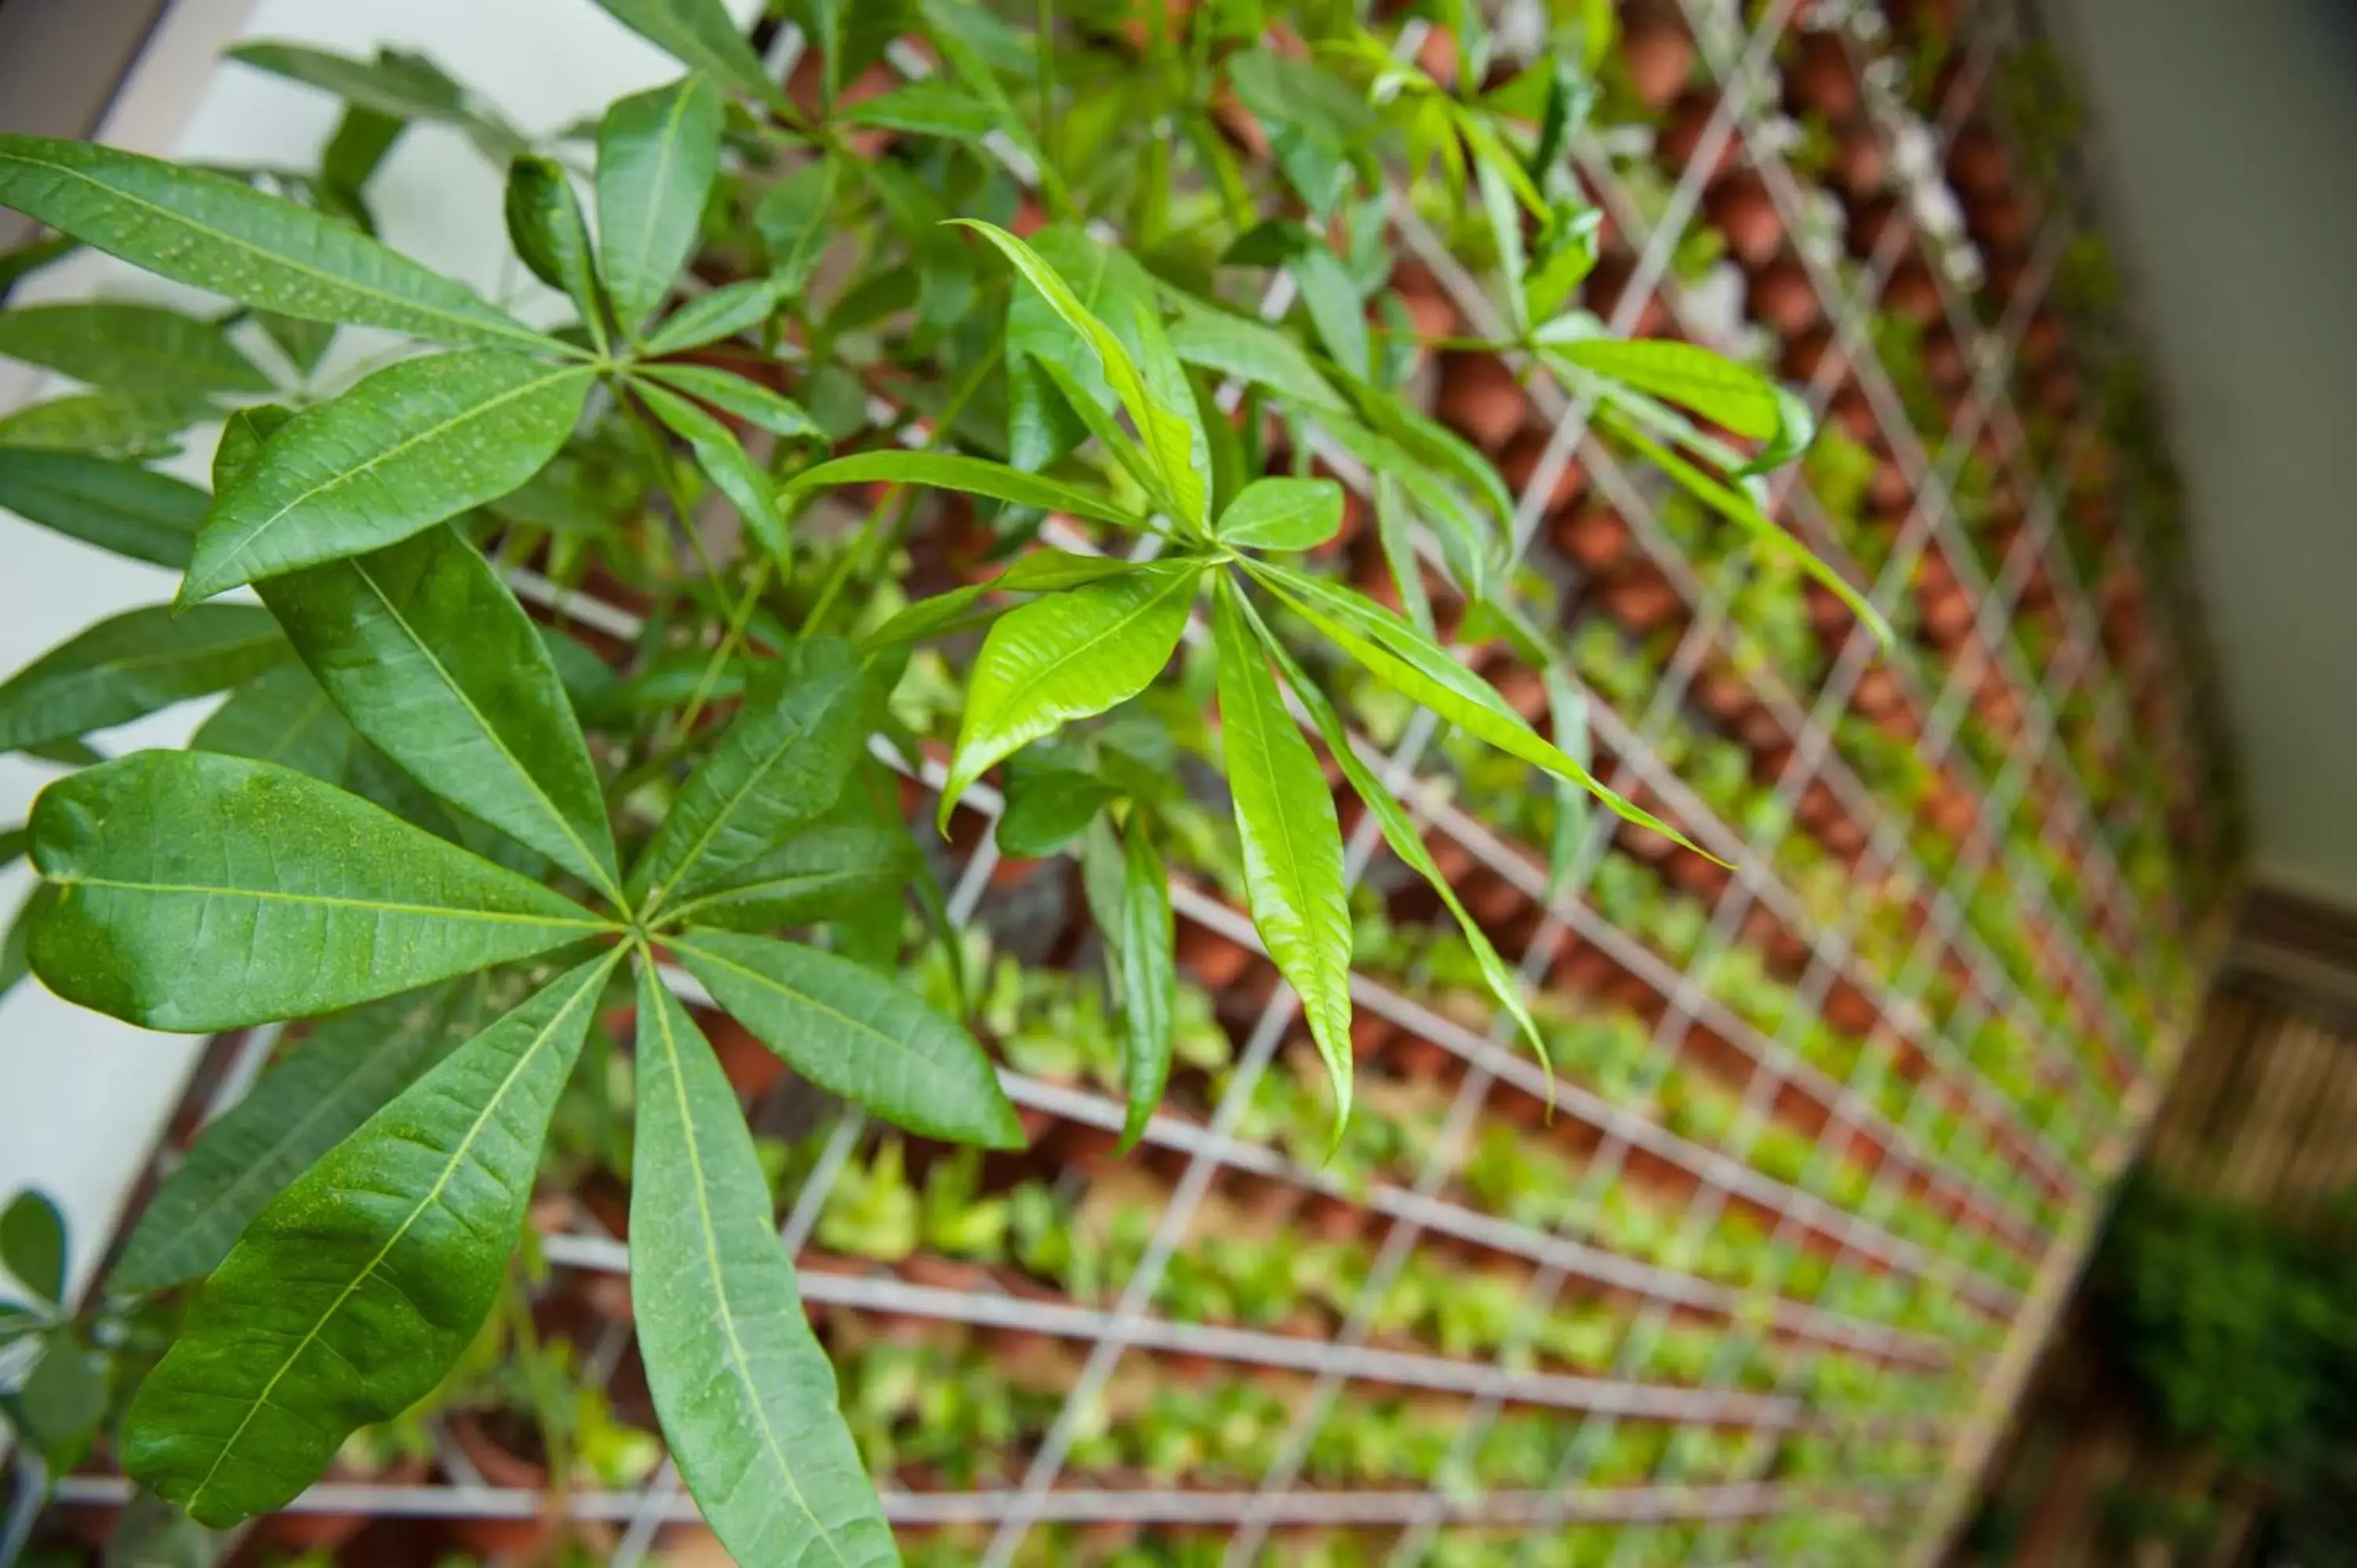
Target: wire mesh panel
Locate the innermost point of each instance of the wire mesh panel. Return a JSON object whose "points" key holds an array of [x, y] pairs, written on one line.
{"points": [[1835, 1079]]}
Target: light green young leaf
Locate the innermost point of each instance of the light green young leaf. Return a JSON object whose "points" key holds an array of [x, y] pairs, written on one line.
{"points": [[199, 892], [132, 664], [1040, 572], [427, 652], [355, 1290], [749, 401], [723, 312], [349, 1068], [1726, 393], [658, 153], [1057, 394], [699, 34], [552, 238], [1292, 841], [116, 505], [783, 762], [1148, 982], [851, 1030], [213, 232], [973, 476], [1395, 530], [791, 218], [733, 473], [1283, 514], [282, 716], [1065, 657], [121, 346], [746, 1395], [102, 425], [33, 1244], [930, 107], [1252, 351], [822, 874], [417, 442], [1567, 709]]}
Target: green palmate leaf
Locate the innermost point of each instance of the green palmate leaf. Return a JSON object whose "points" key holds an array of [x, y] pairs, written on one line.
{"points": [[1065, 657], [818, 875], [733, 395], [104, 501], [397, 86], [1327, 290], [1149, 983], [103, 425], [131, 665], [429, 656], [1400, 832], [973, 476], [851, 1030], [1254, 352], [697, 33], [1042, 424], [198, 892], [142, 348], [1735, 396], [726, 464], [282, 716], [417, 442], [1048, 801], [354, 1291], [1042, 571], [783, 763], [746, 1396], [33, 1244], [1176, 450], [344, 1073], [1283, 514], [552, 238], [1396, 529], [931, 107], [1292, 841], [213, 232], [1403, 657], [658, 154], [791, 218], [723, 312]]}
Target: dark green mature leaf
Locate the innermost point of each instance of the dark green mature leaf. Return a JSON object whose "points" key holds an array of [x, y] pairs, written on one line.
{"points": [[749, 401], [1049, 797], [851, 1030], [352, 1293], [400, 87], [199, 227], [1292, 841], [142, 349], [658, 153], [243, 435], [1254, 352], [14, 842], [14, 963], [726, 464], [697, 33], [1065, 657], [62, 1401], [783, 763], [344, 1073], [417, 442], [822, 874], [1283, 514], [552, 238], [723, 312], [791, 218], [102, 425], [429, 656], [1143, 963], [116, 505], [971, 475], [201, 892], [746, 1395], [282, 716], [33, 1244], [1324, 283], [929, 107], [1315, 123], [1394, 528], [132, 664]]}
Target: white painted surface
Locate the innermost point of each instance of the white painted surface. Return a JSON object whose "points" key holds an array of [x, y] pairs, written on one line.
{"points": [[82, 1097]]}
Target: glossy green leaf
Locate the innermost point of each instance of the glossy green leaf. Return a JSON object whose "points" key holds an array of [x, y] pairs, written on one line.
{"points": [[132, 664], [696, 33], [820, 874], [347, 1070], [199, 892], [724, 463], [33, 1244], [205, 230], [723, 312], [1283, 514], [1292, 841], [1796, 427], [142, 349], [282, 716], [355, 1290], [801, 732], [428, 654], [243, 435], [1041, 570], [658, 153], [971, 475], [105, 502], [1403, 657], [1735, 396], [417, 442], [851, 1030], [1048, 801], [736, 397], [551, 237], [1065, 657], [746, 1395]]}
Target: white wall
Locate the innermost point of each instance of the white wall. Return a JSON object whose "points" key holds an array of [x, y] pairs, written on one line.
{"points": [[82, 1097]]}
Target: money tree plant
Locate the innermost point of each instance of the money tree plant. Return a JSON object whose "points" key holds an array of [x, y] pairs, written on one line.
{"points": [[454, 837]]}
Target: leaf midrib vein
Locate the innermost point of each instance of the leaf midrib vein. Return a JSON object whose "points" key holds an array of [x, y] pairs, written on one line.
{"points": [[274, 896]]}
